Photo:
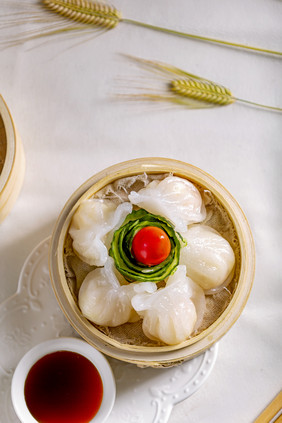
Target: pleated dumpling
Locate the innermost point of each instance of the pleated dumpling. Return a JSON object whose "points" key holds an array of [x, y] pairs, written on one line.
{"points": [[174, 198], [171, 314], [92, 226], [104, 301], [208, 257]]}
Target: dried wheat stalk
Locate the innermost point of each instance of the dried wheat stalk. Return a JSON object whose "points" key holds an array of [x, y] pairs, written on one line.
{"points": [[186, 89], [101, 15]]}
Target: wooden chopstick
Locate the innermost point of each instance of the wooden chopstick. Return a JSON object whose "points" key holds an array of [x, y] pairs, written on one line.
{"points": [[273, 412]]}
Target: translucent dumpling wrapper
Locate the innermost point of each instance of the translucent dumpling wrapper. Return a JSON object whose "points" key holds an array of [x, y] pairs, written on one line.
{"points": [[170, 313], [208, 257], [105, 301], [92, 228], [174, 198]]}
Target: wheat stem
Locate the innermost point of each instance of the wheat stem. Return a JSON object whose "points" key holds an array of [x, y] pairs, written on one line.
{"points": [[262, 106], [202, 38]]}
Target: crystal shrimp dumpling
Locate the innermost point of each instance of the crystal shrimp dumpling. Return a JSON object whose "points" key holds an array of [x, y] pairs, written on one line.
{"points": [[208, 257], [91, 228], [169, 313], [104, 301], [174, 198]]}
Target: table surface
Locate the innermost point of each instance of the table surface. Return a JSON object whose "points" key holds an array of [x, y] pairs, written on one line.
{"points": [[62, 94]]}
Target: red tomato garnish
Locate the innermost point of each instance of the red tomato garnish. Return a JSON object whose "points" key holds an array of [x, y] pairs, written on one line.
{"points": [[151, 245]]}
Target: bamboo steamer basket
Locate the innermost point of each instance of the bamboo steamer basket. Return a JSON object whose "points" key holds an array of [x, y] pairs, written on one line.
{"points": [[155, 356], [12, 161]]}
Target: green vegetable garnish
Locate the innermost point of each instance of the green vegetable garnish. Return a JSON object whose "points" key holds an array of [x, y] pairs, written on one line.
{"points": [[121, 248]]}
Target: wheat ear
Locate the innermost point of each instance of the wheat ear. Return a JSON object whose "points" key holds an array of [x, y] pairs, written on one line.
{"points": [[85, 12], [212, 93], [103, 15], [186, 89], [202, 91]]}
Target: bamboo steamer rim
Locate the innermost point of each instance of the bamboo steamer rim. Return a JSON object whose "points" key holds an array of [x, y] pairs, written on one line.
{"points": [[10, 143], [12, 174], [139, 354]]}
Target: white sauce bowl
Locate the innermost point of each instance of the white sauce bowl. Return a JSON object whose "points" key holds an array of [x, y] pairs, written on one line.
{"points": [[63, 344]]}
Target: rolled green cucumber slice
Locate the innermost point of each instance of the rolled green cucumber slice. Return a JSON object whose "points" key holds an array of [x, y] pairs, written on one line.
{"points": [[121, 248]]}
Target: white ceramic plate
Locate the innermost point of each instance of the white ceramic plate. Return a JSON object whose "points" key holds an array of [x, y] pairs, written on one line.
{"points": [[32, 315]]}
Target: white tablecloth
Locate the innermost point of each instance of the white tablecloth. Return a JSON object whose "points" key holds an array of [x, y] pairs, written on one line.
{"points": [[62, 98]]}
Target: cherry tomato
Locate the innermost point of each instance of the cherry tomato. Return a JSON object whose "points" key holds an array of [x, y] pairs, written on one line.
{"points": [[151, 245]]}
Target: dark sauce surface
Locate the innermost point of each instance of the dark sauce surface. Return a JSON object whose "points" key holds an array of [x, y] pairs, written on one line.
{"points": [[63, 387]]}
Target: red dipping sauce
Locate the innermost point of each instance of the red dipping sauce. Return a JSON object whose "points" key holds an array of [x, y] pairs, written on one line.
{"points": [[63, 387]]}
